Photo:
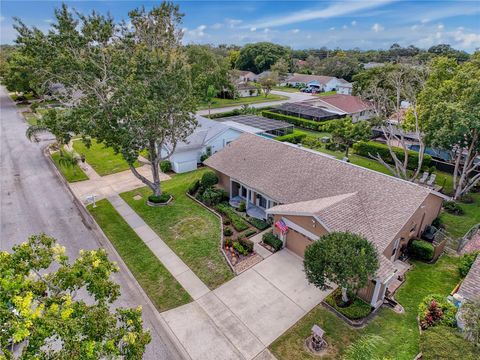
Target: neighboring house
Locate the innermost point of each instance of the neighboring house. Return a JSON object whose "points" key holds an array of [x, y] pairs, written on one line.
{"points": [[347, 105], [308, 110], [208, 137], [371, 65], [246, 90], [469, 289], [344, 87], [320, 82], [314, 194], [246, 76]]}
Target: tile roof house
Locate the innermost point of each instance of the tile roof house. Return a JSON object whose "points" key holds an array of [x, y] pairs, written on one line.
{"points": [[315, 194], [208, 137], [350, 105]]}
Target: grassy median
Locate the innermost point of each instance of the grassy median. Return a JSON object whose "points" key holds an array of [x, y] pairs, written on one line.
{"points": [[161, 287]]}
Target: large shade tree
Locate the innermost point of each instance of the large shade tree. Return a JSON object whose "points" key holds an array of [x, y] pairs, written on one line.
{"points": [[450, 112], [43, 315], [127, 84], [261, 56], [346, 259], [345, 133]]}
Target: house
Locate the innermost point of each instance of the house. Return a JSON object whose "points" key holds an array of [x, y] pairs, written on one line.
{"points": [[307, 110], [469, 289], [346, 105], [322, 83], [344, 87], [245, 76], [315, 194], [371, 65], [208, 137], [246, 90]]}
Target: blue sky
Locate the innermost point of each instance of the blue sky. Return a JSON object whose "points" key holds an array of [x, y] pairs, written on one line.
{"points": [[366, 24]]}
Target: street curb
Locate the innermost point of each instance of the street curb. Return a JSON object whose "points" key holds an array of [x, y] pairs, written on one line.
{"points": [[103, 241]]}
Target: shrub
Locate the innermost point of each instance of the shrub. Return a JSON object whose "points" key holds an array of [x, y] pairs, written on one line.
{"points": [[259, 224], [193, 188], [466, 263], [237, 221], [436, 310], [437, 222], [294, 138], [354, 310], [160, 199], [452, 207], [226, 221], [421, 249], [467, 199], [442, 342], [242, 206], [209, 179], [227, 231], [247, 244], [240, 249], [307, 124], [249, 232], [364, 148], [272, 240], [166, 166], [204, 157], [212, 196]]}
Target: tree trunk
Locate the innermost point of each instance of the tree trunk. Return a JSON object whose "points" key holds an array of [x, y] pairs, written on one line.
{"points": [[209, 107], [346, 151], [154, 166], [344, 294]]}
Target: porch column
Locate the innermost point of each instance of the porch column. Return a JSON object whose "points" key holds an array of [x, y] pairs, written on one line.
{"points": [[374, 300], [248, 199], [231, 185]]}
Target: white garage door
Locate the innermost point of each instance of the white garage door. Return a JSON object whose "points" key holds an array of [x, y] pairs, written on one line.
{"points": [[181, 167]]}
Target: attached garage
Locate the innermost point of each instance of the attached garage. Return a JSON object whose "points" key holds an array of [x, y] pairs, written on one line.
{"points": [[297, 242]]}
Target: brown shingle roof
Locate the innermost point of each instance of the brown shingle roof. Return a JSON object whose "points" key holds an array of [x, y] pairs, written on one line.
{"points": [[382, 204], [347, 103], [470, 287]]}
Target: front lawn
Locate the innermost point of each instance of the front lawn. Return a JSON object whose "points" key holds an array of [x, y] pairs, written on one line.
{"points": [[219, 103], [401, 338], [457, 226], [71, 174], [157, 282], [189, 229], [326, 93], [101, 158], [289, 89]]}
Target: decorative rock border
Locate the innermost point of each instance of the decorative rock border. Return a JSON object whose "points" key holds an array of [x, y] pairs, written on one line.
{"points": [[353, 323], [152, 204]]}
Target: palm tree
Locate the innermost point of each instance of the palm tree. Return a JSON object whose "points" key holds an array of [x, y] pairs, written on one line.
{"points": [[68, 160]]}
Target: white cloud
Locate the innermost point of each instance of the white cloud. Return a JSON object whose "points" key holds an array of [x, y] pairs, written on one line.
{"points": [[332, 28], [440, 27], [332, 10], [414, 27], [344, 27], [233, 22], [198, 32], [253, 29], [354, 23], [266, 30], [469, 40], [2, 18], [216, 26], [295, 31], [377, 27]]}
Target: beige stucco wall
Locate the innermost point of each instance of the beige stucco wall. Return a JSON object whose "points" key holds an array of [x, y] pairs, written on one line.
{"points": [[223, 181], [431, 208]]}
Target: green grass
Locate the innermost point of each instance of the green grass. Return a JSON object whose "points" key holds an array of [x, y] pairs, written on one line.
{"points": [[317, 134], [326, 93], [30, 118], [72, 174], [190, 230], [286, 89], [157, 282], [457, 226], [219, 103], [401, 338], [102, 159]]}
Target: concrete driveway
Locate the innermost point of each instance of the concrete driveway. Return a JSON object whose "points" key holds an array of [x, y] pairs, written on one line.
{"points": [[242, 317]]}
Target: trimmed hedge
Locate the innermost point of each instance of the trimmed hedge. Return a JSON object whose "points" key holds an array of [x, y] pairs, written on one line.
{"points": [[307, 124], [259, 224], [249, 232], [294, 138], [421, 250], [364, 148], [272, 240], [356, 309], [212, 196], [193, 188], [160, 199], [237, 221], [209, 179]]}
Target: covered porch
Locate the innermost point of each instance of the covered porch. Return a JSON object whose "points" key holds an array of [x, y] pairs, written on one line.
{"points": [[256, 203]]}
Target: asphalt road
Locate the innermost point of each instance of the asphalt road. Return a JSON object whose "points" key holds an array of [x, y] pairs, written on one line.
{"points": [[33, 200]]}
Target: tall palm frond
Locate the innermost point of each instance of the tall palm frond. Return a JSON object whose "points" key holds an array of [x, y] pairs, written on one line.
{"points": [[34, 130]]}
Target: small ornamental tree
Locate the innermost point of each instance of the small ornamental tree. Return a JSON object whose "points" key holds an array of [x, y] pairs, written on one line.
{"points": [[343, 258], [346, 133], [43, 315], [268, 82]]}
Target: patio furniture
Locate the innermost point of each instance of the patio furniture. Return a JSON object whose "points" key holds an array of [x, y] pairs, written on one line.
{"points": [[424, 177], [431, 181]]}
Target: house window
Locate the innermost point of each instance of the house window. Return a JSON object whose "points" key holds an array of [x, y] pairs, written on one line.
{"points": [[208, 150], [244, 192], [262, 202]]}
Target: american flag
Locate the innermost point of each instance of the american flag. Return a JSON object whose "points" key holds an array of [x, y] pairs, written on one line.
{"points": [[282, 226]]}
